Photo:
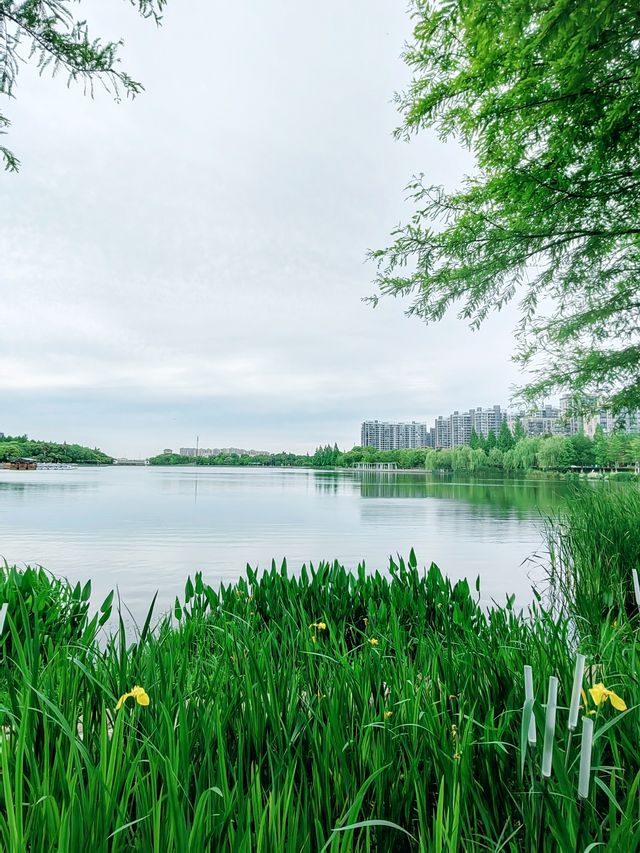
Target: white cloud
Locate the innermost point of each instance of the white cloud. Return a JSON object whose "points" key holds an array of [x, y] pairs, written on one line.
{"points": [[204, 245]]}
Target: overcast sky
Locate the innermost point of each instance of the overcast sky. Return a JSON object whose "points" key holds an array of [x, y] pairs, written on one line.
{"points": [[193, 262]]}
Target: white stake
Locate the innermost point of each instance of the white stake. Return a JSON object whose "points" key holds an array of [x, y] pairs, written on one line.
{"points": [[528, 694], [585, 758], [636, 586], [578, 675], [3, 613], [550, 726]]}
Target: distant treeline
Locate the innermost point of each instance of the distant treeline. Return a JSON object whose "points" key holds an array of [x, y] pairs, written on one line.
{"points": [[506, 451], [547, 453], [17, 447], [324, 457]]}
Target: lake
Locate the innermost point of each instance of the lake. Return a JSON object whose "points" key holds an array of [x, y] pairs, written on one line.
{"points": [[145, 529]]}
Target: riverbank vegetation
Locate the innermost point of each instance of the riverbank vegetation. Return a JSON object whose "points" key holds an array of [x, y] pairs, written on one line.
{"points": [[547, 453], [506, 451], [329, 456], [17, 447], [323, 710]]}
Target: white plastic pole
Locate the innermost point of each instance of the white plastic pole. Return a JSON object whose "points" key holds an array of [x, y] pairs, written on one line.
{"points": [[550, 726], [528, 694], [578, 675], [636, 586], [585, 758]]}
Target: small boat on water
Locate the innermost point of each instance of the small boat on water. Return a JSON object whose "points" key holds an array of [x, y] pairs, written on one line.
{"points": [[28, 464], [24, 463], [56, 466]]}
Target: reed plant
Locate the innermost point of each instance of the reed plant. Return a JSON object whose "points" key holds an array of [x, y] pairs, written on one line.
{"points": [[594, 548], [321, 710]]}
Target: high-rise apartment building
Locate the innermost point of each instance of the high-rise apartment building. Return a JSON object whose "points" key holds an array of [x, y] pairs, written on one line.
{"points": [[484, 421], [571, 408], [456, 429], [628, 422], [537, 424], [387, 435], [459, 428], [442, 432], [582, 415], [450, 431], [545, 421]]}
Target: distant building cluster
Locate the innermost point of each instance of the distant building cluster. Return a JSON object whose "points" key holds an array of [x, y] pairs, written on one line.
{"points": [[567, 419], [384, 435], [546, 421], [216, 451], [448, 431], [457, 428]]}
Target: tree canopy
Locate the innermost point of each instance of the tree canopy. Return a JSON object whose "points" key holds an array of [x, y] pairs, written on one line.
{"points": [[547, 97], [49, 33], [15, 447]]}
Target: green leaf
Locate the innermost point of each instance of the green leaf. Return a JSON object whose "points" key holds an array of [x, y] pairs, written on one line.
{"points": [[527, 712], [364, 823], [188, 591]]}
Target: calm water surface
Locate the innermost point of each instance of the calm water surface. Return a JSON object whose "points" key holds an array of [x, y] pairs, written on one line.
{"points": [[146, 529]]}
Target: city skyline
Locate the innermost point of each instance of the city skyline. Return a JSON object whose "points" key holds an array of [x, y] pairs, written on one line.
{"points": [[457, 428], [549, 419]]}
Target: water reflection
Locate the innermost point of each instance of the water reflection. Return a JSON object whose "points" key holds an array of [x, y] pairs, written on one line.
{"points": [[330, 485], [25, 487], [147, 528], [500, 495]]}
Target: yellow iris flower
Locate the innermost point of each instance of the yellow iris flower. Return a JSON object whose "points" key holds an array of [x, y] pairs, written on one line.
{"points": [[138, 693], [374, 642], [320, 626], [600, 694], [388, 714]]}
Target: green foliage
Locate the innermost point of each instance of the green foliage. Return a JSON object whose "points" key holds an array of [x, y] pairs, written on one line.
{"points": [[505, 440], [518, 431], [523, 455], [12, 448], [35, 598], [545, 96], [583, 450], [324, 457], [47, 32], [520, 455], [600, 447], [495, 458], [325, 710], [548, 453], [594, 545], [464, 458], [555, 452]]}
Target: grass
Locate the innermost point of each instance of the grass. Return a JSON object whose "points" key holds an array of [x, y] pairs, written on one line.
{"points": [[401, 725], [594, 545]]}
